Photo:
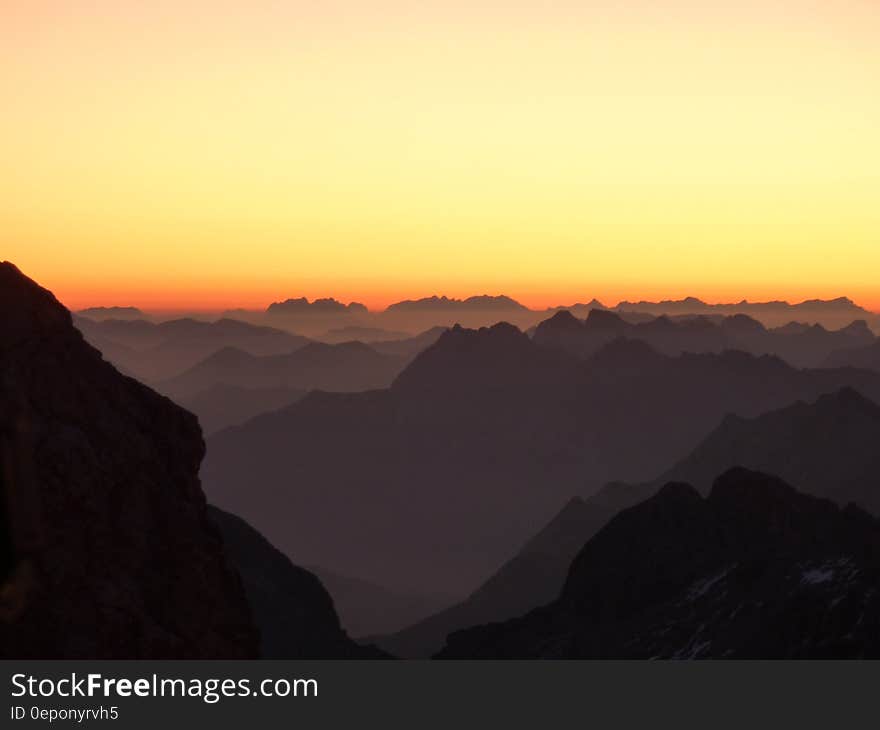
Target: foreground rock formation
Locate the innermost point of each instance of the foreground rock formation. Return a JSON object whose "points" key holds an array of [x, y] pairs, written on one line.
{"points": [[755, 570], [107, 550]]}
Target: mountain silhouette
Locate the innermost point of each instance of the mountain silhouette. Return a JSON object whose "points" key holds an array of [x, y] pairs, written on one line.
{"points": [[828, 312], [436, 481], [445, 304], [807, 346], [824, 448], [156, 352], [533, 577], [409, 347], [99, 313], [294, 612], [109, 552], [579, 309], [755, 570], [302, 306], [350, 366]]}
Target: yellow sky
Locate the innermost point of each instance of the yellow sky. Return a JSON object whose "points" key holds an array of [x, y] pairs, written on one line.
{"points": [[212, 154]]}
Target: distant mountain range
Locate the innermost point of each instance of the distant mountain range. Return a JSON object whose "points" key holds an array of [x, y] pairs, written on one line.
{"points": [[833, 313], [803, 346], [756, 570], [100, 313], [826, 449], [229, 371], [302, 306], [476, 444], [445, 304]]}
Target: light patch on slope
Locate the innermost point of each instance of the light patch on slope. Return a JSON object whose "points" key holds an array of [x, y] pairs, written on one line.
{"points": [[827, 572], [704, 585]]}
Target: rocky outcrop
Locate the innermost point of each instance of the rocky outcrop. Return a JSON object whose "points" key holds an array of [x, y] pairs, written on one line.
{"points": [[291, 607], [756, 570], [109, 552]]}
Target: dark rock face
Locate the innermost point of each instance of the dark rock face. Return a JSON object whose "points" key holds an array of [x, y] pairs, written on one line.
{"points": [[756, 570], [112, 554], [291, 607]]}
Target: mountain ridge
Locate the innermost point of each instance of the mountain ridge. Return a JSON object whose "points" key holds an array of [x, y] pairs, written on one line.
{"points": [[754, 570]]}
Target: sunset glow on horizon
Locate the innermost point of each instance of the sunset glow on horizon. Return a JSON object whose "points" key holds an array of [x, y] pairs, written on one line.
{"points": [[209, 155]]}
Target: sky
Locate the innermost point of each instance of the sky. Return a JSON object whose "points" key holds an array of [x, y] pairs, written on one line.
{"points": [[195, 154]]}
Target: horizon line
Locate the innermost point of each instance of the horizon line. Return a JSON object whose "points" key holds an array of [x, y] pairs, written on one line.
{"points": [[371, 310]]}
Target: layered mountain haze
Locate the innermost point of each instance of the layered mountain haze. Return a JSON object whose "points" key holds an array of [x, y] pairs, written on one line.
{"points": [[369, 335], [411, 467], [221, 406], [154, 352], [409, 347], [800, 345], [322, 319], [228, 371], [825, 448], [435, 329], [350, 366], [475, 446], [533, 577], [867, 357], [832, 313], [366, 609], [754, 570], [294, 612]]}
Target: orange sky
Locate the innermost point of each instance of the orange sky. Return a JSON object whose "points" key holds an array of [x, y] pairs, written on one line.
{"points": [[212, 154]]}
